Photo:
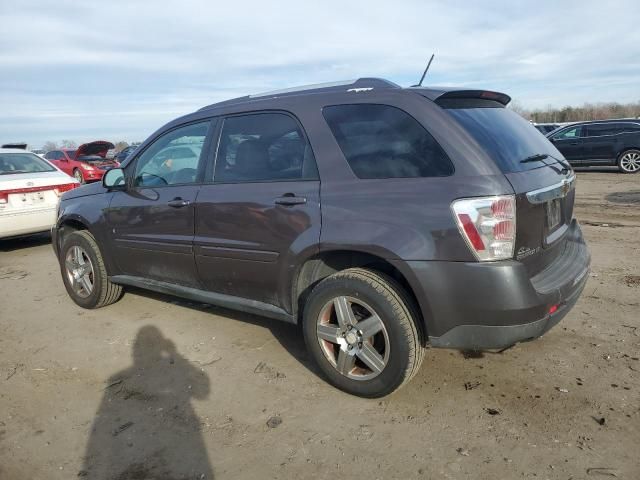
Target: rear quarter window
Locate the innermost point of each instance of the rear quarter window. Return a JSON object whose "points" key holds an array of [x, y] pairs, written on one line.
{"points": [[380, 141]]}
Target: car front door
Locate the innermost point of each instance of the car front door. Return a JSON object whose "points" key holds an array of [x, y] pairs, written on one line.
{"points": [[260, 209], [571, 144], [152, 221]]}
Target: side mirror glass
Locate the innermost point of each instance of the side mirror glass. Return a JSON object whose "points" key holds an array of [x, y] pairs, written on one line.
{"points": [[114, 178]]}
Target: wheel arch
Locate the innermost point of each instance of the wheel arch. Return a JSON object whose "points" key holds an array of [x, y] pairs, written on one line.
{"points": [[323, 264]]}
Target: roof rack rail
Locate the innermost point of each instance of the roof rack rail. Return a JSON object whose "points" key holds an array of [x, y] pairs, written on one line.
{"points": [[361, 84]]}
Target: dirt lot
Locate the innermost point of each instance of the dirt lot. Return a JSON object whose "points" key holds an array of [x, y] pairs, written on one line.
{"points": [[157, 388]]}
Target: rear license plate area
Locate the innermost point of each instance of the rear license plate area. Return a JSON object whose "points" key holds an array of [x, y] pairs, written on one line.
{"points": [[554, 213]]}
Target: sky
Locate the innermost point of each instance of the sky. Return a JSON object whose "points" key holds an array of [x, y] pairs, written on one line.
{"points": [[118, 70]]}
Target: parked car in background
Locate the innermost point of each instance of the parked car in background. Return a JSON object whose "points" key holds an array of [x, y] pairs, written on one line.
{"points": [[384, 219], [545, 128], [38, 151], [125, 152], [597, 143], [87, 163], [30, 189]]}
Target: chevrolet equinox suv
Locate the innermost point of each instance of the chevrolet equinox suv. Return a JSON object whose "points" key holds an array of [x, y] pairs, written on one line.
{"points": [[383, 219]]}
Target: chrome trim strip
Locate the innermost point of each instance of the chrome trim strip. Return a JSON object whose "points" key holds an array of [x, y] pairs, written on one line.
{"points": [[557, 190]]}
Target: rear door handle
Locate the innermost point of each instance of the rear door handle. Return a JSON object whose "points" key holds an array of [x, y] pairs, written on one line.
{"points": [[290, 199], [178, 203]]}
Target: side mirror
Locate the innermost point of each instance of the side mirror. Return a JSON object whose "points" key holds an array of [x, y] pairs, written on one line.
{"points": [[114, 179]]}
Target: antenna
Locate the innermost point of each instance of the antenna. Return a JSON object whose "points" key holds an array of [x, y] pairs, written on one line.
{"points": [[425, 71]]}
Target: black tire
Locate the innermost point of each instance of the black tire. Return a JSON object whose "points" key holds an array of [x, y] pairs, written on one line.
{"points": [[77, 174], [390, 303], [104, 292], [629, 166]]}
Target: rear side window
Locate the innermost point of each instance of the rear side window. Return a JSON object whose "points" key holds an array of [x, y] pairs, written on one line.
{"points": [[380, 141], [602, 129], [263, 147]]}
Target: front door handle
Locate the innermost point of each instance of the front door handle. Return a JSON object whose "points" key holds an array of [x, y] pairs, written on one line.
{"points": [[289, 199], [178, 203]]}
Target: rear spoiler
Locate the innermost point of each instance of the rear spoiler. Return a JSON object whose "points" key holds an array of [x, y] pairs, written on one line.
{"points": [[21, 146], [455, 97]]}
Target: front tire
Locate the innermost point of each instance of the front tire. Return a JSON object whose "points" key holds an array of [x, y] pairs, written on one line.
{"points": [[77, 174], [629, 161], [84, 273], [360, 331]]}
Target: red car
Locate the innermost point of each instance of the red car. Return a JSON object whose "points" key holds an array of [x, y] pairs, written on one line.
{"points": [[87, 163]]}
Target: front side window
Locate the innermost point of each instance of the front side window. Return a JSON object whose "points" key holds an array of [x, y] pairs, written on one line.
{"points": [[263, 147], [173, 158], [379, 141], [70, 154], [570, 133]]}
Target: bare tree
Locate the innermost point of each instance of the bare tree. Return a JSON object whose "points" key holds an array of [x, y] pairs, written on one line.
{"points": [[121, 145], [69, 144], [48, 146]]}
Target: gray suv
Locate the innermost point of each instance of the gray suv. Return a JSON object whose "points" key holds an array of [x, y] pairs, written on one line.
{"points": [[382, 219]]}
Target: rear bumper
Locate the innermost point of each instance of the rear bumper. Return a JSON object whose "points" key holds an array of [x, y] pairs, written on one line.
{"points": [[25, 222], [494, 305]]}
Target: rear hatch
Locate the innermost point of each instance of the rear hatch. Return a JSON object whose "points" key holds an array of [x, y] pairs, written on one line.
{"points": [[542, 180]]}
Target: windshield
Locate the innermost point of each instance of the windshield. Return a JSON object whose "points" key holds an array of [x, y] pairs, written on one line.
{"points": [[23, 163], [506, 136]]}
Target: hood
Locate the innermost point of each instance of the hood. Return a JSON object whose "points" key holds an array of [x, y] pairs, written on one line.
{"points": [[99, 148], [94, 188]]}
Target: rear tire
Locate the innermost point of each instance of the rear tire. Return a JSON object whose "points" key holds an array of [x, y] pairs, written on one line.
{"points": [[84, 273], [360, 331], [629, 161], [77, 174]]}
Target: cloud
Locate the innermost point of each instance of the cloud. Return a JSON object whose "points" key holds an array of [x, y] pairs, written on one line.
{"points": [[123, 68]]}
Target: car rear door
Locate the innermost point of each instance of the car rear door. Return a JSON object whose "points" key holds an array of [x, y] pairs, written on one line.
{"points": [[602, 141], [152, 221], [260, 209]]}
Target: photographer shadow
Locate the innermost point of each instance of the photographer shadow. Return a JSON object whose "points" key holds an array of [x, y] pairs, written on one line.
{"points": [[146, 427]]}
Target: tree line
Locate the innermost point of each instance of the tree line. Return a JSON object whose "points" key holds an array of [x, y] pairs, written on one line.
{"points": [[588, 111]]}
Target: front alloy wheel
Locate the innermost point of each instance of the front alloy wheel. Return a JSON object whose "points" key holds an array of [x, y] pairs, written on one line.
{"points": [[80, 272], [77, 174], [630, 161]]}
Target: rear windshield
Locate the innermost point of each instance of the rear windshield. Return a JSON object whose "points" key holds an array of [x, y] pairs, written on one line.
{"points": [[11, 163], [506, 136]]}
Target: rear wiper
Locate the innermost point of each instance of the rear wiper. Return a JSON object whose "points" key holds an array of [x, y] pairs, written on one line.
{"points": [[535, 158]]}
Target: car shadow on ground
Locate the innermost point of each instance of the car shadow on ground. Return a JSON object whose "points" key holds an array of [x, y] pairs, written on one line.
{"points": [[18, 243], [146, 426], [288, 335]]}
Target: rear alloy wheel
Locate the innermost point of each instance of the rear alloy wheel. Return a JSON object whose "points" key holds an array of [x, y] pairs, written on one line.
{"points": [[630, 161], [77, 174], [359, 329], [84, 273]]}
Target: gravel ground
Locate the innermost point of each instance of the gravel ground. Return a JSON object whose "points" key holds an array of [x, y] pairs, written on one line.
{"points": [[157, 388]]}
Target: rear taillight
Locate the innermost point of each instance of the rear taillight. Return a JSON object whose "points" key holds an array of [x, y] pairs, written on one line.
{"points": [[488, 225], [60, 189], [4, 197]]}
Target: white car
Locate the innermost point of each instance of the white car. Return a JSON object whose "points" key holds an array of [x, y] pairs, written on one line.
{"points": [[30, 190]]}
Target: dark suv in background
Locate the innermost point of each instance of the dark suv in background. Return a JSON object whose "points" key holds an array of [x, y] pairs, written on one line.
{"points": [[383, 219], [608, 142]]}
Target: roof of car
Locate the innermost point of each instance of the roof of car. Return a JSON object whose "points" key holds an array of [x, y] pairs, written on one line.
{"points": [[609, 120], [361, 85]]}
